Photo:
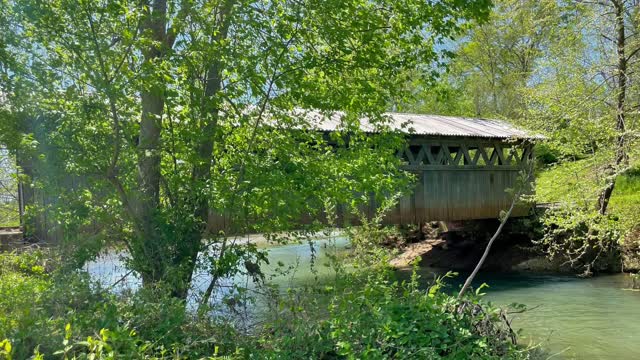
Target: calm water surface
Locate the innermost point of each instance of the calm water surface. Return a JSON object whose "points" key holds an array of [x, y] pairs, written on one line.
{"points": [[576, 318], [570, 317]]}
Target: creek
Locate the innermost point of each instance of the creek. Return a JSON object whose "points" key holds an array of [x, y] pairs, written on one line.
{"points": [[571, 318]]}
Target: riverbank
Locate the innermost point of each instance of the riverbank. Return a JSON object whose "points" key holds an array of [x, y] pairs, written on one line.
{"points": [[459, 246], [436, 253]]}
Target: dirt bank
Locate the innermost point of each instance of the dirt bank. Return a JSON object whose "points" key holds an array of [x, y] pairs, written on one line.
{"points": [[459, 247]]}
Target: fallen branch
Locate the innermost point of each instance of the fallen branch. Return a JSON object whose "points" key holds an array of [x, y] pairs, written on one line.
{"points": [[469, 280], [516, 197]]}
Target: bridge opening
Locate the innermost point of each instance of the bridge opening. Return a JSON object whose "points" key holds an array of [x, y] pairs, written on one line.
{"points": [[10, 213]]}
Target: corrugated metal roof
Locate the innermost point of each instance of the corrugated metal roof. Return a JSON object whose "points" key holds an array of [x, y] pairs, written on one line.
{"points": [[421, 124]]}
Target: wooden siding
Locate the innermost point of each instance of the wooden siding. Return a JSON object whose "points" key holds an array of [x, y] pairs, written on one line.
{"points": [[460, 179]]}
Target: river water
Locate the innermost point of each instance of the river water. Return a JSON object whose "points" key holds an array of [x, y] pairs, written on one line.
{"points": [[574, 318], [571, 318]]}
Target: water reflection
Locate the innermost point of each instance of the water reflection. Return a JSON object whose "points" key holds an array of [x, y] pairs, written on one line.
{"points": [[289, 265]]}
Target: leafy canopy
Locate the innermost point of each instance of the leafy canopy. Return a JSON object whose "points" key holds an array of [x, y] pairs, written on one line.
{"points": [[169, 112]]}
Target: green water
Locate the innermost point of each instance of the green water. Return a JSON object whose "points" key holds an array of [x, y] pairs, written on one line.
{"points": [[570, 318], [574, 318]]}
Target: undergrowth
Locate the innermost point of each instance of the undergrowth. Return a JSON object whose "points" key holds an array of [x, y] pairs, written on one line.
{"points": [[575, 231], [51, 312]]}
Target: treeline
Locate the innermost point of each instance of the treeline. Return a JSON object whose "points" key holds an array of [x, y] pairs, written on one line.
{"points": [[567, 70]]}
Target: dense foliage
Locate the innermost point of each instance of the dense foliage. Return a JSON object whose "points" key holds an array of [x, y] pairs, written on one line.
{"points": [[566, 70], [153, 119], [9, 213], [53, 313]]}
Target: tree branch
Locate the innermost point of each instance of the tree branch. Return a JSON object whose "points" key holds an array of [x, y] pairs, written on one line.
{"points": [[516, 197]]}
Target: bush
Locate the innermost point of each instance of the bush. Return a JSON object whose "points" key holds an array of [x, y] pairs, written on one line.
{"points": [[403, 322], [63, 314], [587, 241], [373, 316], [546, 155], [363, 313]]}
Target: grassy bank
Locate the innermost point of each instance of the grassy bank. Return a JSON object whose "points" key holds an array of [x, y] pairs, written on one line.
{"points": [[575, 233], [578, 182]]}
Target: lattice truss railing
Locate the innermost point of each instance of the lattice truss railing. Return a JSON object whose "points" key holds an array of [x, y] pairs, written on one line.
{"points": [[466, 155]]}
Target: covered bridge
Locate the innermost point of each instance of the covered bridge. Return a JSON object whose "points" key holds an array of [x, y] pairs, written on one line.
{"points": [[463, 166]]}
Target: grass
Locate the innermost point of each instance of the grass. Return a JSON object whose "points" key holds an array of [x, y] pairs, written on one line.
{"points": [[9, 215], [579, 182], [625, 201]]}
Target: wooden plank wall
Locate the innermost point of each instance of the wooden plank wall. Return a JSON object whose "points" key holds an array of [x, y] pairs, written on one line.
{"points": [[456, 195], [457, 179], [461, 179]]}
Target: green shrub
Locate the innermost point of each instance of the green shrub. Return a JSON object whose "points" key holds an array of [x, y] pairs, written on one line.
{"points": [[62, 313], [364, 313], [585, 240], [373, 316]]}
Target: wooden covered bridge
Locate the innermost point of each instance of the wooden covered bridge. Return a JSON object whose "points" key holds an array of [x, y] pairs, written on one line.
{"points": [[464, 166]]}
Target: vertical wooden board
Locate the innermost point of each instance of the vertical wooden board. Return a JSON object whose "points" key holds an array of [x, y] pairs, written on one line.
{"points": [[427, 198], [418, 199], [507, 183], [420, 206], [465, 193], [405, 209], [427, 216], [501, 194], [452, 181], [471, 195], [444, 189], [448, 192], [434, 188], [414, 217], [477, 189], [458, 181], [461, 194], [427, 182], [488, 207]]}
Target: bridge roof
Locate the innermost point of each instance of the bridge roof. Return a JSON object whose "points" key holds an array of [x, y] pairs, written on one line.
{"points": [[422, 124]]}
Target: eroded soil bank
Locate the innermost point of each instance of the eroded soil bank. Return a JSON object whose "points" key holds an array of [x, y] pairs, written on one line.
{"points": [[459, 246]]}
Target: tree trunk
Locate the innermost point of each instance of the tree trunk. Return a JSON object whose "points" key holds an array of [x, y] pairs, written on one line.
{"points": [[621, 70], [33, 227], [485, 254], [210, 113], [149, 148], [175, 263]]}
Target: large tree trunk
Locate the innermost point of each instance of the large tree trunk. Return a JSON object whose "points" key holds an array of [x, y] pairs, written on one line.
{"points": [[621, 72], [33, 227], [175, 263], [147, 198]]}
